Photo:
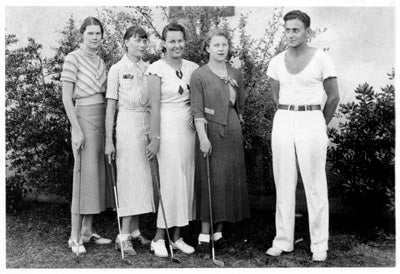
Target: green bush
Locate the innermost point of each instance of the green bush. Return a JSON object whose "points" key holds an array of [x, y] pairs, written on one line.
{"points": [[37, 128], [364, 147]]}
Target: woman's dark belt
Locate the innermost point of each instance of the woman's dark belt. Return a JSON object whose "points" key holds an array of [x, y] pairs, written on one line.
{"points": [[300, 107]]}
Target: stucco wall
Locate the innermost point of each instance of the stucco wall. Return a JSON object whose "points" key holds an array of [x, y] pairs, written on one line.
{"points": [[361, 40]]}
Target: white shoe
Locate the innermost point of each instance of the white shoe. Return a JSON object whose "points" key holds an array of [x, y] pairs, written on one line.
{"points": [[319, 256], [182, 246], [159, 248], [274, 251]]}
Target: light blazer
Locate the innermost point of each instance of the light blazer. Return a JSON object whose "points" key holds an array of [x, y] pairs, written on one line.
{"points": [[209, 95]]}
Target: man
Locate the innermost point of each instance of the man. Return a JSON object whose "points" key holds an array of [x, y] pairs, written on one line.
{"points": [[300, 78]]}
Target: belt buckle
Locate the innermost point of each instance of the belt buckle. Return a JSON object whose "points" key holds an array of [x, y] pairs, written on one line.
{"points": [[295, 107]]}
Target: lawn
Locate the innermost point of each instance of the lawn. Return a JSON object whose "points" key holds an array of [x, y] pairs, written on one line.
{"points": [[37, 238]]}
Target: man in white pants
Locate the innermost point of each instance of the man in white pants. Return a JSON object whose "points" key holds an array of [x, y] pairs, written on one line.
{"points": [[300, 78]]}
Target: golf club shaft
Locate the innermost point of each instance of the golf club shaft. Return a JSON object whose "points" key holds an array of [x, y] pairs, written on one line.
{"points": [[79, 198], [153, 170], [210, 206], [215, 261], [117, 206]]}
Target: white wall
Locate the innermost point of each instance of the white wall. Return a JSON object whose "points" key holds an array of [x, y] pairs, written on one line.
{"points": [[361, 39]]}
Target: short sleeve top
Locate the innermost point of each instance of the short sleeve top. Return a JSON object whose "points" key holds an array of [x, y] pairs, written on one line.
{"points": [[86, 71], [173, 88], [305, 87], [127, 83]]}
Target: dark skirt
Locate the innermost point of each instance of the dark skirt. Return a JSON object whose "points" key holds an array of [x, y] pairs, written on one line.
{"points": [[91, 191], [227, 174]]}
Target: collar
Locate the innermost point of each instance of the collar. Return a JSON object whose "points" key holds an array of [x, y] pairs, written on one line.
{"points": [[130, 64]]}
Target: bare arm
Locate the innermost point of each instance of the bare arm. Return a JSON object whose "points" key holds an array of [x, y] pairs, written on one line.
{"points": [[275, 91], [332, 101], [110, 113], [78, 139], [154, 86]]}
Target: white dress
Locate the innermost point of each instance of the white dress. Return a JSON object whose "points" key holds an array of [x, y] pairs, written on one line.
{"points": [[177, 143], [127, 83]]}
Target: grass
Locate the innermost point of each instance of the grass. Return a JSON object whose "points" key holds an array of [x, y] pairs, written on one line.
{"points": [[37, 237]]}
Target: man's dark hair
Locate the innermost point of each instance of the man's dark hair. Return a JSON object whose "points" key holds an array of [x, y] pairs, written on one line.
{"points": [[298, 14]]}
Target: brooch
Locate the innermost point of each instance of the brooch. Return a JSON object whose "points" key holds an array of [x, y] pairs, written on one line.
{"points": [[127, 76], [230, 80]]}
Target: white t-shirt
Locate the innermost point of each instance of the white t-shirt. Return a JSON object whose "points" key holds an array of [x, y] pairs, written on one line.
{"points": [[305, 87]]}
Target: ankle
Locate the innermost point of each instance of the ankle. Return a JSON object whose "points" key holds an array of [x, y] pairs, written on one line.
{"points": [[205, 238], [217, 236], [123, 236], [135, 233]]}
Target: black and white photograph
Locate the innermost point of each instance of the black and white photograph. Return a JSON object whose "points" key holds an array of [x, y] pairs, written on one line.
{"points": [[215, 135]]}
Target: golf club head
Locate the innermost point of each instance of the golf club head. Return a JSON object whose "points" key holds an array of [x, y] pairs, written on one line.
{"points": [[218, 263], [126, 261], [176, 260]]}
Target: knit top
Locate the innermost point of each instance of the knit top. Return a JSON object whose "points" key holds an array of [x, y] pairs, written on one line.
{"points": [[87, 72]]}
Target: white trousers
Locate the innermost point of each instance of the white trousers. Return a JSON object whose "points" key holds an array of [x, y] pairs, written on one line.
{"points": [[300, 135]]}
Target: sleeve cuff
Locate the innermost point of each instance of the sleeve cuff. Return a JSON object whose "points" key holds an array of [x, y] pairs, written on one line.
{"points": [[200, 120]]}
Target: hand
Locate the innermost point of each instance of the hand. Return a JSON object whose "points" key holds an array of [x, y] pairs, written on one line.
{"points": [[205, 147], [241, 120], [153, 148], [110, 151], [78, 139]]}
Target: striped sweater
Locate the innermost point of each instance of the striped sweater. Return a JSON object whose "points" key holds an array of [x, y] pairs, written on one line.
{"points": [[86, 71]]}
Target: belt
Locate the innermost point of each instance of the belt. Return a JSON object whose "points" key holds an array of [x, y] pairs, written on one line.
{"points": [[145, 109], [300, 107]]}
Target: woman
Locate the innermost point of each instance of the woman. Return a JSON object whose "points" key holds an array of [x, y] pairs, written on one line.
{"points": [[127, 87], [172, 138], [84, 79], [217, 102]]}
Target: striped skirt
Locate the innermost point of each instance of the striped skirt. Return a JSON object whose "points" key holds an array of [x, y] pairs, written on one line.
{"points": [[91, 193], [134, 181]]}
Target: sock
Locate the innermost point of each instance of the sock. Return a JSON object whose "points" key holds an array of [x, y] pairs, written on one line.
{"points": [[123, 237], [135, 233], [204, 238], [217, 236]]}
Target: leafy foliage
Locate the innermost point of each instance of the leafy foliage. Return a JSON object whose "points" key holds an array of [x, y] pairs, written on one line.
{"points": [[364, 147], [37, 128]]}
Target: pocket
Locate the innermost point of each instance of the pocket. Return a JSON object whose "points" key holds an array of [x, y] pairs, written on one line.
{"points": [[127, 83]]}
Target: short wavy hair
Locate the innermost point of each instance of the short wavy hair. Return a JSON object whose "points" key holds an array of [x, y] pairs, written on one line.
{"points": [[298, 14], [215, 32], [89, 21], [173, 27]]}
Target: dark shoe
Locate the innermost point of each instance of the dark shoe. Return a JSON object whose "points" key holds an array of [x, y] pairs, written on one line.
{"points": [[220, 244], [203, 247]]}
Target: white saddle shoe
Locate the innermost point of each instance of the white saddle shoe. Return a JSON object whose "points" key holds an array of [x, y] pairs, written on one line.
{"points": [[159, 248], [274, 252], [182, 246], [319, 256]]}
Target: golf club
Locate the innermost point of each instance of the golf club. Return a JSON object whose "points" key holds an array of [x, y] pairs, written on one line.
{"points": [[111, 176], [79, 201], [156, 177], [215, 261]]}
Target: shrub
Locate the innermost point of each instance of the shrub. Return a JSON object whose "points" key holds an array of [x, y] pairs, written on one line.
{"points": [[37, 128], [363, 150]]}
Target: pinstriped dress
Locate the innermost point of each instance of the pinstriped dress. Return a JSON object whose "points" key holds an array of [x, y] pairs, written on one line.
{"points": [[128, 84]]}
